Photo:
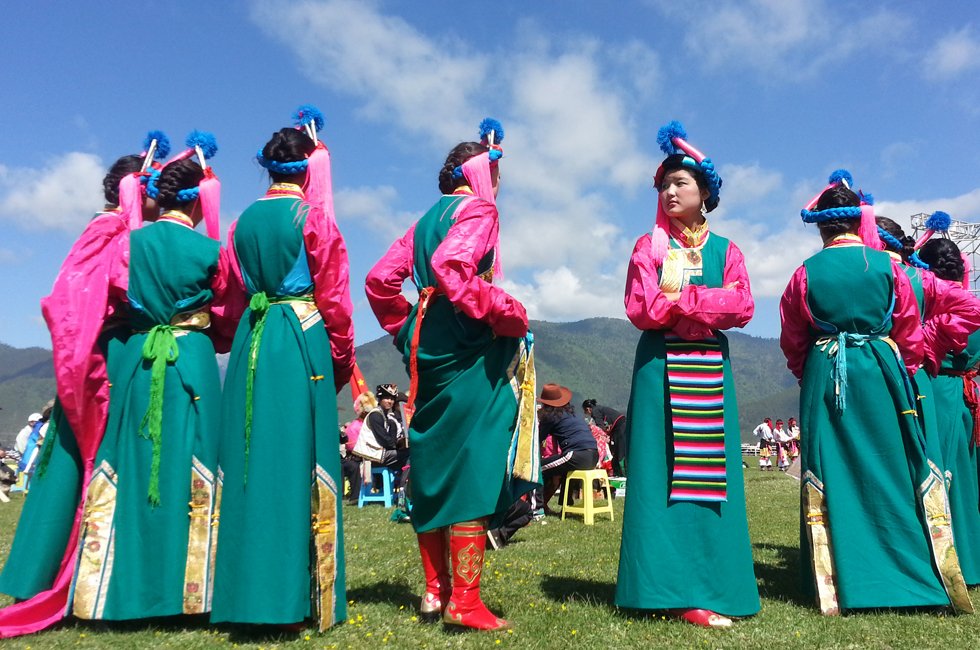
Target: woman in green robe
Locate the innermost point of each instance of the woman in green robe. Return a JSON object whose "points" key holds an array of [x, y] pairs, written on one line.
{"points": [[281, 551], [874, 518], [685, 547], [90, 287], [958, 417], [147, 544], [951, 313], [472, 436]]}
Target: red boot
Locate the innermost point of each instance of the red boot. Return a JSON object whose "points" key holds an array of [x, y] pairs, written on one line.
{"points": [[435, 564], [702, 617], [467, 541]]}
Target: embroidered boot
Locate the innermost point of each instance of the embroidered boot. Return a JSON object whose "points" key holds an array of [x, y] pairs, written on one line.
{"points": [[435, 565], [467, 541]]}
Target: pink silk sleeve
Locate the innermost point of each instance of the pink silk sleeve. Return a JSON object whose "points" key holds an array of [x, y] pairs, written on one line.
{"points": [[796, 336], [229, 301], [906, 328], [720, 308], [384, 284], [952, 314], [330, 269], [646, 305], [90, 284], [454, 265], [118, 279]]}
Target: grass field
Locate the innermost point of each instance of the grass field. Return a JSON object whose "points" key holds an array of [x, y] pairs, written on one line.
{"points": [[555, 583]]}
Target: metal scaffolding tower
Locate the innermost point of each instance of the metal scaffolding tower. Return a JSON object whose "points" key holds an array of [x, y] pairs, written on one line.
{"points": [[964, 234]]}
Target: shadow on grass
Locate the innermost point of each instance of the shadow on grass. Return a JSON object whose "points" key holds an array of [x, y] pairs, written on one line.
{"points": [[564, 589], [393, 593], [182, 623], [782, 579]]}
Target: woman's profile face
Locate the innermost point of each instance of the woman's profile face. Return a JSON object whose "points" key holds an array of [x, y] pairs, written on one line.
{"points": [[150, 209], [680, 195]]}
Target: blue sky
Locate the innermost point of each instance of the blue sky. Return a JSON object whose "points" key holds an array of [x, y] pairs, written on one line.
{"points": [[777, 92]]}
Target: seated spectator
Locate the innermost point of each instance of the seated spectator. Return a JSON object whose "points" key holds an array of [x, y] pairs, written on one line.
{"points": [[613, 423], [385, 423], [572, 435], [20, 445], [351, 464], [519, 514]]}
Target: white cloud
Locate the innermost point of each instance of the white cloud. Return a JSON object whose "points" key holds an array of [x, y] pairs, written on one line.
{"points": [[896, 157], [796, 38], [771, 256], [563, 294], [400, 75], [63, 195], [9, 256], [954, 54], [965, 207], [639, 64], [570, 145], [372, 210], [747, 184]]}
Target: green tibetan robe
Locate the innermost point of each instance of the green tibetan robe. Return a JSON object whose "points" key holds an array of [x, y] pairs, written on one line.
{"points": [[281, 549], [46, 519], [147, 542], [925, 400], [960, 457], [682, 554], [874, 517], [466, 410]]}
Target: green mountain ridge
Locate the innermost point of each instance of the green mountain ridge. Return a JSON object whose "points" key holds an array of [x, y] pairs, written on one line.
{"points": [[593, 357]]}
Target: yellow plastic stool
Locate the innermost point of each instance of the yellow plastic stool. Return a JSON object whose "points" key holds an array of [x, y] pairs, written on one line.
{"points": [[588, 509]]}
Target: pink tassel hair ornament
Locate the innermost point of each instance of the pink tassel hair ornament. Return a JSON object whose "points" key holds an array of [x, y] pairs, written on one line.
{"points": [[131, 200], [318, 188], [868, 228], [210, 198]]}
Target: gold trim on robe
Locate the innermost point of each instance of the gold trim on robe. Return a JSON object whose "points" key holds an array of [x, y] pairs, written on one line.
{"points": [[324, 531], [935, 503], [524, 445], [818, 536], [96, 545], [197, 574]]}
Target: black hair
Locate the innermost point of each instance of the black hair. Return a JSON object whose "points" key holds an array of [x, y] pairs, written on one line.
{"points": [[674, 162], [589, 404], [895, 230], [838, 196], [287, 145], [943, 257], [460, 154], [548, 413], [121, 168], [180, 175]]}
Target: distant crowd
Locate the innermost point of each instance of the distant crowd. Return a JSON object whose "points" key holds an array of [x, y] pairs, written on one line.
{"points": [[779, 441]]}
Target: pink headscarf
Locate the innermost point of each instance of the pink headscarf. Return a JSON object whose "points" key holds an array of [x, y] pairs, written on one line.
{"points": [[476, 171]]}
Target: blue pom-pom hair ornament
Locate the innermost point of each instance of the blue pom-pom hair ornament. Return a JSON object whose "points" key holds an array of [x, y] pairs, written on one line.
{"points": [[306, 118], [156, 146], [868, 229], [672, 138], [309, 118], [204, 145], [491, 135], [937, 222]]}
